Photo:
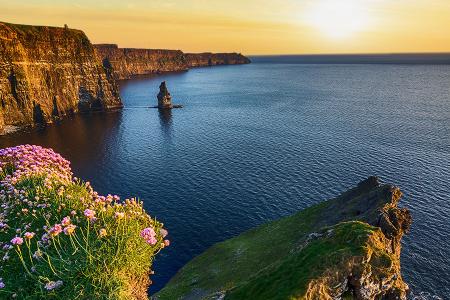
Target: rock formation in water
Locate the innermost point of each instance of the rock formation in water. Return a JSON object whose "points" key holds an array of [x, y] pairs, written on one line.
{"points": [[164, 98], [344, 248], [129, 62], [49, 72]]}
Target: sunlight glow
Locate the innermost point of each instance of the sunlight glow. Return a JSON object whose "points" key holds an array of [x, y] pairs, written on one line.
{"points": [[338, 19]]}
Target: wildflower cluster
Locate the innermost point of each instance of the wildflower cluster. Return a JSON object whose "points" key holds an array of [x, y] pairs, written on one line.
{"points": [[60, 238]]}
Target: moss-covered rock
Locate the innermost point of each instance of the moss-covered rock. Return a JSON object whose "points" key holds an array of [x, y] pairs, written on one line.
{"points": [[347, 247]]}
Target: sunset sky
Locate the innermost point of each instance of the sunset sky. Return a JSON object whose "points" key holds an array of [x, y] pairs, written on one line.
{"points": [[249, 26]]}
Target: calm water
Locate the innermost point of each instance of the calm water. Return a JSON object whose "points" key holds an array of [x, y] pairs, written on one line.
{"points": [[262, 141]]}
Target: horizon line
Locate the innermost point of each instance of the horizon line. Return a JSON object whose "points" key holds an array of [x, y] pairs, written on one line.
{"points": [[349, 54]]}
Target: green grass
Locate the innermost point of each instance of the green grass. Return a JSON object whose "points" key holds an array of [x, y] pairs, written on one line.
{"points": [[280, 259], [105, 258], [288, 278], [228, 263]]}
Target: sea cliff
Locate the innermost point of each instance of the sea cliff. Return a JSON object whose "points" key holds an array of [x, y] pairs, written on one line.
{"points": [[49, 72], [344, 248], [129, 62], [215, 59]]}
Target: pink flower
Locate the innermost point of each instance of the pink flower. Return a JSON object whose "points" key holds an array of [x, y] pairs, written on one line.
{"points": [[166, 243], [17, 241], [65, 221], [148, 232], [55, 230], [163, 232], [70, 229], [89, 213], [152, 240], [29, 235]]}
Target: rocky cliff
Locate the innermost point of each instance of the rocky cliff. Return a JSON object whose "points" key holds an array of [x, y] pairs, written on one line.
{"points": [[49, 72], [344, 248], [215, 59], [129, 62]]}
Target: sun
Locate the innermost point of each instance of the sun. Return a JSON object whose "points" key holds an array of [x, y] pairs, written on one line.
{"points": [[337, 18]]}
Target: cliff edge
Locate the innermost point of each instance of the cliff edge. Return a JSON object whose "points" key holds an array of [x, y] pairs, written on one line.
{"points": [[208, 59], [128, 62], [344, 248], [49, 72]]}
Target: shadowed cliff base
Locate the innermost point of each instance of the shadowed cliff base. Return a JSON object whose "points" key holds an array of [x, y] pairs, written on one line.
{"points": [[347, 247]]}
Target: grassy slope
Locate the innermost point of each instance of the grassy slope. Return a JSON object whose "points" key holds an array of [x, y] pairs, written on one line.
{"points": [[289, 277], [279, 259], [228, 263]]}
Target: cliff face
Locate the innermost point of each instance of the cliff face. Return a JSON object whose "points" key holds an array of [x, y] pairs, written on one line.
{"points": [[215, 59], [344, 248], [129, 62], [49, 72]]}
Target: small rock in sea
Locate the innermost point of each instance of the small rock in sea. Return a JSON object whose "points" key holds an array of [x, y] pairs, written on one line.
{"points": [[164, 98]]}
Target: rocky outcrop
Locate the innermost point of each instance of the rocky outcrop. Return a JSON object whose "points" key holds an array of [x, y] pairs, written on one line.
{"points": [[344, 248], [49, 72], [128, 62], [215, 59], [164, 98]]}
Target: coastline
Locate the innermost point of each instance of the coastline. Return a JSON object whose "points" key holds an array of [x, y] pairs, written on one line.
{"points": [[44, 81]]}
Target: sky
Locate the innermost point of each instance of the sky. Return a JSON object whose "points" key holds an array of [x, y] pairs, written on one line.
{"points": [[249, 26]]}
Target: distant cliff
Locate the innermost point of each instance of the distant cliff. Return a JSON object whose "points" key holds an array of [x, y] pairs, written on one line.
{"points": [[215, 59], [344, 248], [129, 62], [49, 72]]}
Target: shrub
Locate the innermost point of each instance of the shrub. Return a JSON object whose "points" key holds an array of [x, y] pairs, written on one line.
{"points": [[60, 239]]}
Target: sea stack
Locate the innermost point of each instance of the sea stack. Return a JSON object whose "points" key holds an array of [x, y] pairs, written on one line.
{"points": [[164, 98]]}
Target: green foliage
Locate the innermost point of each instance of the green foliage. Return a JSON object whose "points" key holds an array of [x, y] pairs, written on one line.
{"points": [[288, 278], [61, 240]]}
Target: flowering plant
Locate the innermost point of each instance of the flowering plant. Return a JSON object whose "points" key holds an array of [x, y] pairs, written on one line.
{"points": [[61, 239]]}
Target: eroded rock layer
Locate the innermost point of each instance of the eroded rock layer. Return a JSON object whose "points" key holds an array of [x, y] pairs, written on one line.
{"points": [[49, 72], [129, 62]]}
